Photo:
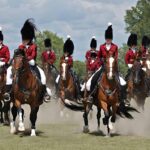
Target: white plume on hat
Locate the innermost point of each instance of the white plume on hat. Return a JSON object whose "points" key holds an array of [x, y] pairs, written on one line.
{"points": [[68, 37], [94, 37], [0, 28], [109, 24]]}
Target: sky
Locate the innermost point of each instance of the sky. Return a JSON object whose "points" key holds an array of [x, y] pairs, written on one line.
{"points": [[81, 19]]}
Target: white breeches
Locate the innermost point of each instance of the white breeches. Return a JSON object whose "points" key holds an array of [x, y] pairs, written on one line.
{"points": [[122, 81], [9, 76], [43, 77], [88, 83]]}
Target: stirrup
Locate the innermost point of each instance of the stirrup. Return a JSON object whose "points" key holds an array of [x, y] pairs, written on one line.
{"points": [[6, 97], [47, 98]]}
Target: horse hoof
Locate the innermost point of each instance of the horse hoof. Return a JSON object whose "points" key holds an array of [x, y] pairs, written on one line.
{"points": [[33, 132], [21, 127], [107, 136], [86, 129], [12, 128]]}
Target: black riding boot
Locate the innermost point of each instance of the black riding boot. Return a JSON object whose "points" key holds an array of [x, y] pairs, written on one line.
{"points": [[7, 93]]}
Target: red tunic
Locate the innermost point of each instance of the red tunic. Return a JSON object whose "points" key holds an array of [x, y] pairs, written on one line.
{"points": [[30, 51], [49, 56], [92, 64], [103, 52], [4, 54], [130, 56]]}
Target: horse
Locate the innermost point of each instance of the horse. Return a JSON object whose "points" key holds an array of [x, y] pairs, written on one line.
{"points": [[51, 74], [68, 87], [26, 89], [136, 84], [4, 103]]}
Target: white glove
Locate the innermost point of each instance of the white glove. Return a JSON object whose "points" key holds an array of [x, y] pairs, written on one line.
{"points": [[2, 63], [32, 62], [66, 58], [130, 65]]}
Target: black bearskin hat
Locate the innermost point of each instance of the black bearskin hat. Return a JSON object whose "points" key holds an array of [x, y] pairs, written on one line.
{"points": [[132, 40], [68, 46], [93, 42], [145, 41], [1, 34], [28, 30], [109, 32], [47, 42]]}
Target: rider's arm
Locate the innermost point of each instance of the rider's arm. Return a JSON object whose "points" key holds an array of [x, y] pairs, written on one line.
{"points": [[6, 55], [33, 52], [52, 58]]}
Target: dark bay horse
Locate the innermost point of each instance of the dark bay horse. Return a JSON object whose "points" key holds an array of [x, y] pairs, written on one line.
{"points": [[4, 103], [51, 74], [137, 88], [26, 89]]}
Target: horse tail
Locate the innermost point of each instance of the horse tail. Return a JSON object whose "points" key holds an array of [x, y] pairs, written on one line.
{"points": [[73, 105], [125, 111]]}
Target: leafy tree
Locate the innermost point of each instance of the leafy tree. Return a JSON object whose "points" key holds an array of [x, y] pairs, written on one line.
{"points": [[137, 18], [57, 46]]}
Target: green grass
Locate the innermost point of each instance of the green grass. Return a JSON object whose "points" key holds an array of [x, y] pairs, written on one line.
{"points": [[68, 137]]}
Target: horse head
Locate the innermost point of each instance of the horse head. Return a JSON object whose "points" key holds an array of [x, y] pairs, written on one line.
{"points": [[64, 68], [110, 66], [137, 71]]}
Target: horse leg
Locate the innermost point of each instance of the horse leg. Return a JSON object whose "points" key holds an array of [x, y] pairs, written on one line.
{"points": [[21, 119], [6, 113], [98, 118], [86, 125], [12, 124], [106, 118], [33, 118], [113, 118]]}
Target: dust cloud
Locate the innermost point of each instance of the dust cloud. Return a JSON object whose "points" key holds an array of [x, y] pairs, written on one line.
{"points": [[50, 113]]}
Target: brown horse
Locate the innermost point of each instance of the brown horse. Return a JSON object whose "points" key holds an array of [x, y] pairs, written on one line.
{"points": [[67, 85], [51, 74], [5, 103], [108, 94], [137, 88], [26, 89]]}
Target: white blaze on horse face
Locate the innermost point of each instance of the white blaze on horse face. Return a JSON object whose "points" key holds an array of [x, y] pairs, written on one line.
{"points": [[148, 64], [111, 60], [64, 71]]}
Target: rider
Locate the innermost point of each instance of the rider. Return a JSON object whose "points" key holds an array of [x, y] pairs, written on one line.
{"points": [[68, 51], [108, 48], [4, 51], [92, 60], [48, 55], [131, 53], [30, 49]]}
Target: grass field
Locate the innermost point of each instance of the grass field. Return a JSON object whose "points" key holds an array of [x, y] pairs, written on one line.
{"points": [[67, 135]]}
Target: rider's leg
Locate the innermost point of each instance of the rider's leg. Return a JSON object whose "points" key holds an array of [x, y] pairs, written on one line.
{"points": [[8, 84], [122, 89], [47, 92]]}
